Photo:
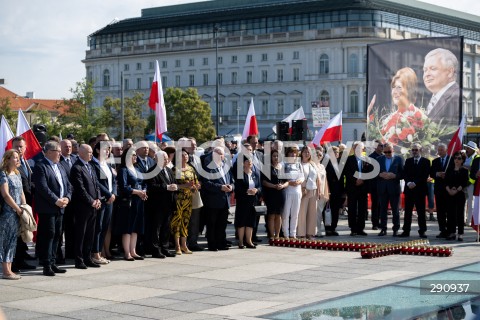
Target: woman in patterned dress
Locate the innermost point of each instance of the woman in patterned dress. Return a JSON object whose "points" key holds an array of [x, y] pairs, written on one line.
{"points": [[187, 182], [12, 194]]}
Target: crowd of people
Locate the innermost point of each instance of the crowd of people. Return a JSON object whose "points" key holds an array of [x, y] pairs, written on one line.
{"points": [[145, 199]]}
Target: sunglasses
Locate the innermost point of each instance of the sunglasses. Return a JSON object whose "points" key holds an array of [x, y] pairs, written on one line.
{"points": [[387, 152], [414, 150], [458, 158]]}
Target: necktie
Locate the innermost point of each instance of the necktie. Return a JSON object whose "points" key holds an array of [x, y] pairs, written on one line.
{"points": [[416, 161], [24, 168], [69, 162], [432, 104], [89, 168], [146, 164], [443, 163]]}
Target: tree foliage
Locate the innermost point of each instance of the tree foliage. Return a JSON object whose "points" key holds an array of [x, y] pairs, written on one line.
{"points": [[52, 125], [6, 111], [188, 115]]}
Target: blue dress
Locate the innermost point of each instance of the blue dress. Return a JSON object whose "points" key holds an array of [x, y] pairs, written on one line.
{"points": [[9, 218], [130, 207]]}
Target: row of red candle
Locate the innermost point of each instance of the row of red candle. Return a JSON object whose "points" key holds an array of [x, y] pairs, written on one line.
{"points": [[411, 250]]}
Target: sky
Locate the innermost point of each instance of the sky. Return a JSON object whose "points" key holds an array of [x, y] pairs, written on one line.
{"points": [[43, 42]]}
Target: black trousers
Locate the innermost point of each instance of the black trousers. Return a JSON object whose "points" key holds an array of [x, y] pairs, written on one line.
{"points": [[159, 229], [441, 203], [357, 210], [455, 212], [84, 233], [216, 227], [375, 209], [49, 233], [336, 203], [69, 230], [416, 199]]}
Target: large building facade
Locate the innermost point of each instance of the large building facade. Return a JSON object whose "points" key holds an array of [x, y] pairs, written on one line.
{"points": [[283, 53]]}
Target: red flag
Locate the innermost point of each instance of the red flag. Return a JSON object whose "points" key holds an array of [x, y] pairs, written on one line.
{"points": [[157, 104], [456, 142], [251, 127], [6, 136], [331, 131], [24, 130]]}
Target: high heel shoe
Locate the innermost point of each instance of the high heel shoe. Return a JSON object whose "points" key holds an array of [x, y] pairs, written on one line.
{"points": [[186, 251], [241, 246], [251, 246], [178, 252]]}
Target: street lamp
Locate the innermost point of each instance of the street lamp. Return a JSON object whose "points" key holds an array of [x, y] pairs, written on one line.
{"points": [[216, 28]]}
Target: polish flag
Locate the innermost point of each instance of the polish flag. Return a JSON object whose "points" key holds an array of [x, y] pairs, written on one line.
{"points": [[296, 115], [331, 131], [251, 127], [23, 129], [456, 142], [157, 104], [6, 136]]}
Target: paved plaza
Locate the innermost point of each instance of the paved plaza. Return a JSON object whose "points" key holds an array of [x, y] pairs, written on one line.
{"points": [[233, 284]]}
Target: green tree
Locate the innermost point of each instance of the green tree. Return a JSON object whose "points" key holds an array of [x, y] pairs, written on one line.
{"points": [[188, 115], [52, 125], [6, 111]]}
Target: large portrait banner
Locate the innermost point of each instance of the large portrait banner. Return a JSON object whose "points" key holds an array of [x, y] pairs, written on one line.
{"points": [[414, 92]]}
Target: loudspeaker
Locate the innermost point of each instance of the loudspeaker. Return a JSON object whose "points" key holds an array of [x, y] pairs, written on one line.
{"points": [[40, 132], [282, 131], [299, 129]]}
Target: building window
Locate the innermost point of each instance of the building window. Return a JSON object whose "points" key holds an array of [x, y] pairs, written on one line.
{"points": [[235, 109], [280, 75], [177, 64], [264, 76], [139, 83], [234, 59], [264, 57], [354, 102], [220, 60], [164, 64], [353, 63], [324, 96], [249, 77], [191, 80], [296, 55], [177, 81], [324, 67], [467, 80], [205, 79], [296, 74], [220, 78], [126, 67], [296, 103], [151, 65], [234, 78], [205, 61], [280, 107], [139, 66], [191, 62], [264, 107], [249, 58], [469, 108], [220, 108], [126, 84], [279, 56], [164, 81], [150, 82], [106, 78]]}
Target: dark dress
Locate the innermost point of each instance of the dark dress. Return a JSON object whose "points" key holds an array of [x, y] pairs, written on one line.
{"points": [[274, 199], [9, 218], [245, 215], [130, 207], [456, 203]]}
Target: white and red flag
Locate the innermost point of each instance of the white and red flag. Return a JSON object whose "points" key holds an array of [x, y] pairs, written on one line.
{"points": [[296, 115], [24, 130], [6, 136], [331, 131], [157, 104], [251, 127], [456, 142]]}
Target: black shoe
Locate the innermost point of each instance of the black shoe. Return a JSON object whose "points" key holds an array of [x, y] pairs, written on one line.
{"points": [[26, 266], [382, 233], [91, 264], [452, 237], [168, 254], [47, 271], [138, 258], [241, 246], [432, 218], [441, 235], [374, 228], [362, 233], [395, 233], [212, 249], [422, 235], [249, 246], [158, 255], [80, 265], [353, 234], [404, 234], [58, 270], [223, 248], [228, 242], [195, 247]]}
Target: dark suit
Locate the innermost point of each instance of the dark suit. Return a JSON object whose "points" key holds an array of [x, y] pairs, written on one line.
{"points": [[143, 166], [68, 218], [441, 195], [389, 191], [47, 192], [447, 107], [375, 202], [357, 196], [418, 174], [217, 204], [245, 215], [336, 186], [104, 214], [85, 192], [159, 216]]}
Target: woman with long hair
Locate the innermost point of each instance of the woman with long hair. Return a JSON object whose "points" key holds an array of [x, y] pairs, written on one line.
{"points": [[12, 194]]}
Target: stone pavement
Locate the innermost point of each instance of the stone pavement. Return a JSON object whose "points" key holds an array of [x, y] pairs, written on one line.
{"points": [[233, 284]]}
